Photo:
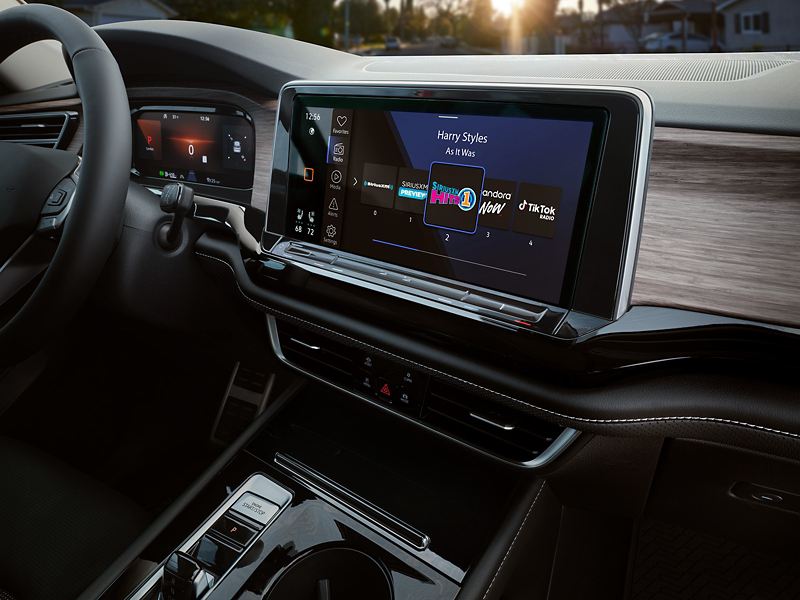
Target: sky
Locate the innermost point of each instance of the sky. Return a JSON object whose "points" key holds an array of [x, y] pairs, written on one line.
{"points": [[504, 6], [588, 5]]}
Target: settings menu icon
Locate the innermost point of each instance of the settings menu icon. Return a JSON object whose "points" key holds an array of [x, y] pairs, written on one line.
{"points": [[330, 231]]}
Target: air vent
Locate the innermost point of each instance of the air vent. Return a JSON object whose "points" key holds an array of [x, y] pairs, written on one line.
{"points": [[47, 130], [477, 421], [499, 430]]}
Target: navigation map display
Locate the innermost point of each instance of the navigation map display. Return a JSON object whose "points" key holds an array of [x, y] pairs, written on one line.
{"points": [[491, 194]]}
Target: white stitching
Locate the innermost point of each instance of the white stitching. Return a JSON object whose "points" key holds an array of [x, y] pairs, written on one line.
{"points": [[494, 392], [514, 541]]}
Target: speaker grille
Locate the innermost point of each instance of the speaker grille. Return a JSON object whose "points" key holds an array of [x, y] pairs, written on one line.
{"points": [[701, 68]]}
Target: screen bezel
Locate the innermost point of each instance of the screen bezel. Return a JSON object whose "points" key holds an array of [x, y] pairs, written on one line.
{"points": [[603, 264]]}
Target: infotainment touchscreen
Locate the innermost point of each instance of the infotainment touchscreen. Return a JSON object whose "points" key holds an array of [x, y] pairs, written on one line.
{"points": [[491, 194]]}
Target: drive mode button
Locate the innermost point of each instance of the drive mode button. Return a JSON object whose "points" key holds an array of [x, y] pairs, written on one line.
{"points": [[255, 507]]}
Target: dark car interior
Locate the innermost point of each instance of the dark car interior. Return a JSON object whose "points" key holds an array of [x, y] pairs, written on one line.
{"points": [[279, 321]]}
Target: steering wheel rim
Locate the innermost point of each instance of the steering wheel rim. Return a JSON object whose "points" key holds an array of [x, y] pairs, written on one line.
{"points": [[95, 214]]}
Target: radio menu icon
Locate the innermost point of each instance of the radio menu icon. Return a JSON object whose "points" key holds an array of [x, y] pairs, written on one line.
{"points": [[454, 197], [536, 208]]}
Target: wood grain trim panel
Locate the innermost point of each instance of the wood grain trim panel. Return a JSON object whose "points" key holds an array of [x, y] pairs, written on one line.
{"points": [[721, 230]]}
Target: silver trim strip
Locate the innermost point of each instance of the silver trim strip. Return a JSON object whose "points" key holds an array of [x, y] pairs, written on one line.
{"points": [[304, 345], [561, 443], [492, 423], [625, 287], [258, 484], [234, 218]]}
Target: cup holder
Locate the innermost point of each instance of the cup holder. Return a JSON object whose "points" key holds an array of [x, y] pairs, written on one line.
{"points": [[332, 574]]}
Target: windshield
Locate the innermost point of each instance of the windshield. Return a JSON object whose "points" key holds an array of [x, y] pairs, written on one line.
{"points": [[429, 27]]}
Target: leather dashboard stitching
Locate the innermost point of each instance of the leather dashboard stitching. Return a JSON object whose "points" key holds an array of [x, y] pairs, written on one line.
{"points": [[514, 541], [494, 392]]}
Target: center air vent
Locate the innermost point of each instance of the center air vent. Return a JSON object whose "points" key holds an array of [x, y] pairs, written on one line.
{"points": [[46, 130], [495, 429]]}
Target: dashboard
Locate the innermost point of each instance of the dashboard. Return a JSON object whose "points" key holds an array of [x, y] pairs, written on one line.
{"points": [[651, 258]]}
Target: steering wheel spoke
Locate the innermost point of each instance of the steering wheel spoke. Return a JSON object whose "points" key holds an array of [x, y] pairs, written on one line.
{"points": [[23, 267]]}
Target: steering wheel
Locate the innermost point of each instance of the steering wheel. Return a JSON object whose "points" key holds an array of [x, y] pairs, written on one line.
{"points": [[60, 214]]}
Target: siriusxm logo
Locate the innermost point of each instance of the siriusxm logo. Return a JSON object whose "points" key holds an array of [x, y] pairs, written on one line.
{"points": [[464, 198]]}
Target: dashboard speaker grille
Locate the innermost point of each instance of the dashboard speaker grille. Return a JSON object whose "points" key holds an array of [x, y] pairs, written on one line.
{"points": [[678, 69], [47, 130], [705, 68]]}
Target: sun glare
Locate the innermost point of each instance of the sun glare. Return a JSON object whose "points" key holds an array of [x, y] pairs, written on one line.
{"points": [[505, 7]]}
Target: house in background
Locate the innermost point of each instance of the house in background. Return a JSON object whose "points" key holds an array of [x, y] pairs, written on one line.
{"points": [[761, 24], [694, 15], [622, 26], [625, 24], [100, 12]]}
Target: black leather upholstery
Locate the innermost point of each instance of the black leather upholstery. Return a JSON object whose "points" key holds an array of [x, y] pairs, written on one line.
{"points": [[59, 529]]}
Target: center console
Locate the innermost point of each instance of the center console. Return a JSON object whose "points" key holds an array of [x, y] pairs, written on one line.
{"points": [[306, 511]]}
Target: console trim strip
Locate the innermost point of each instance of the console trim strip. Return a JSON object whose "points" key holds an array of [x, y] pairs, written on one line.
{"points": [[553, 451], [342, 498]]}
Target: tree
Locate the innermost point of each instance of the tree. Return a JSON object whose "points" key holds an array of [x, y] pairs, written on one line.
{"points": [[366, 18], [312, 20], [539, 17], [481, 29], [633, 15], [448, 15]]}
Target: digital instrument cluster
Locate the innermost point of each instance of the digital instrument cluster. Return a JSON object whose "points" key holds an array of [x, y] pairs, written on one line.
{"points": [[207, 146]]}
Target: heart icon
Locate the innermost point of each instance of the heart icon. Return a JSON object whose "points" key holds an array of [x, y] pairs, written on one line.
{"points": [[341, 119]]}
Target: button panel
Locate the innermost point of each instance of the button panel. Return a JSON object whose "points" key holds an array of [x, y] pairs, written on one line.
{"points": [[255, 508], [227, 526], [215, 547]]}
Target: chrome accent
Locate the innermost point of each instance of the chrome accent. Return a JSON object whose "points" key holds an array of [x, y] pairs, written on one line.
{"points": [[304, 345], [257, 484], [419, 296], [561, 443], [378, 519], [625, 285], [637, 212], [492, 423], [234, 218]]}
